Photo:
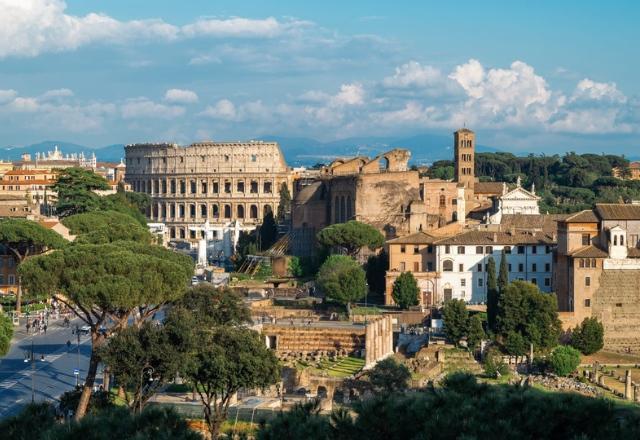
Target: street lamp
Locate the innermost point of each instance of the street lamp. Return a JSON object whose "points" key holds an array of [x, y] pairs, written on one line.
{"points": [[149, 370]]}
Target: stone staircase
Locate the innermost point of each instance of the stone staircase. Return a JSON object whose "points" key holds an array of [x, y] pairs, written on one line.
{"points": [[454, 359]]}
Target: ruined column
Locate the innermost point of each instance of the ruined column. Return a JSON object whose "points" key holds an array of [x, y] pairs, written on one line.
{"points": [[628, 391], [636, 393], [596, 373]]}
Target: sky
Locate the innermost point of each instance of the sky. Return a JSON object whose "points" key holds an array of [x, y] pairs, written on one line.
{"points": [[540, 77]]}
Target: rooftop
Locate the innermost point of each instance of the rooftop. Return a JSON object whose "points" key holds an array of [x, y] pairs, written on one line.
{"points": [[415, 238], [503, 238], [617, 211], [587, 216], [488, 187]]}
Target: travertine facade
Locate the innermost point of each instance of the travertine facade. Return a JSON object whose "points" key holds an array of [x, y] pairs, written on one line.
{"points": [[219, 182]]}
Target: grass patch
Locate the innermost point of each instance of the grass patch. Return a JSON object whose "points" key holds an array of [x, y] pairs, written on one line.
{"points": [[367, 311], [178, 388]]}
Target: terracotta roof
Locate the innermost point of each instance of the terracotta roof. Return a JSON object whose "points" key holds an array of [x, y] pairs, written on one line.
{"points": [[542, 222], [27, 182], [590, 251], [415, 238], [488, 187], [484, 206], [587, 216], [26, 172], [618, 211], [489, 238]]}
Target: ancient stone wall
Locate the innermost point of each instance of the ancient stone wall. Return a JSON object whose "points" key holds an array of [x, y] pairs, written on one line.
{"points": [[616, 304]]}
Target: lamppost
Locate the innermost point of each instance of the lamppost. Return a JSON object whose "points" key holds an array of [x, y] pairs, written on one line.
{"points": [[78, 355], [148, 369], [366, 306], [30, 357]]}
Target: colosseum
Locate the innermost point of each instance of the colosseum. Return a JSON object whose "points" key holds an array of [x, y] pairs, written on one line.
{"points": [[220, 184]]}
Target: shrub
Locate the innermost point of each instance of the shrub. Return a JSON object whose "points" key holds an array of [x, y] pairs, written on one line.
{"points": [[564, 360]]}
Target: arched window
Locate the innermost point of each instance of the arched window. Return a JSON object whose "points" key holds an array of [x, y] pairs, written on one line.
{"points": [[192, 210], [172, 232], [240, 211], [227, 211], [447, 266], [622, 240], [215, 211], [253, 211], [203, 210]]}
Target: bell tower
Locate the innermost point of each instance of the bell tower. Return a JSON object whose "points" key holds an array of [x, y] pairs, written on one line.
{"points": [[464, 143]]}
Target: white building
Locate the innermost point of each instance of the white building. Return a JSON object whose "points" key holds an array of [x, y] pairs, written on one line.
{"points": [[461, 261], [516, 201]]}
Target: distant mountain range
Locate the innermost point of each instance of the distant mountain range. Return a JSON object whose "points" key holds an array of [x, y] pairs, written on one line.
{"points": [[425, 148]]}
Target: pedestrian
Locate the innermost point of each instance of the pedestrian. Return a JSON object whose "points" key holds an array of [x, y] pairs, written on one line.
{"points": [[28, 327], [45, 329], [68, 345]]}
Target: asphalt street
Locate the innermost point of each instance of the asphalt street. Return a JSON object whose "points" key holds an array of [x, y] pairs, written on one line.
{"points": [[49, 377]]}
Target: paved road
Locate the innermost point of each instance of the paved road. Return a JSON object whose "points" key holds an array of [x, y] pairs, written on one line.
{"points": [[51, 376]]}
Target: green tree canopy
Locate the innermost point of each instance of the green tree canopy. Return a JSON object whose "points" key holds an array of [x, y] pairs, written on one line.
{"points": [[210, 306], [376, 268], [455, 319], [99, 227], [143, 359], [74, 188], [389, 376], [226, 359], [342, 279], [284, 205], [475, 332], [405, 290], [105, 284], [503, 275], [352, 236], [564, 360], [268, 232], [6, 333], [525, 310], [25, 238], [588, 337]]}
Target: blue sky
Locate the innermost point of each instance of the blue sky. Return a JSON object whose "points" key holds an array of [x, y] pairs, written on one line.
{"points": [[527, 76]]}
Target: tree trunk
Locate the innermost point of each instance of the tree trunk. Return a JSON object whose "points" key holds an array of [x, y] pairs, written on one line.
{"points": [[19, 298], [87, 389], [106, 378]]}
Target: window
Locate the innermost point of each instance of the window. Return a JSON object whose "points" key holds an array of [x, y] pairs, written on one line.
{"points": [[586, 239], [215, 211], [183, 187], [547, 282], [203, 211], [226, 158], [240, 186], [227, 211], [192, 235], [507, 249], [547, 249], [447, 249], [416, 249], [534, 267], [12, 279], [633, 240], [461, 250], [479, 250], [429, 249], [520, 267], [172, 210], [460, 267], [254, 158], [402, 266], [547, 267], [267, 187], [447, 266], [534, 281], [479, 267], [227, 187], [253, 211], [429, 266], [192, 210], [192, 185], [581, 262], [203, 187], [593, 262], [463, 282], [509, 265], [489, 250], [254, 187], [403, 249], [587, 281], [443, 201], [480, 282], [615, 240], [587, 302], [181, 211], [521, 249], [164, 186], [240, 210], [534, 249], [182, 233], [215, 187], [416, 266]]}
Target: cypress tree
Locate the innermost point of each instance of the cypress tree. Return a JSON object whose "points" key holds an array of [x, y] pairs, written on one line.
{"points": [[503, 275], [492, 294]]}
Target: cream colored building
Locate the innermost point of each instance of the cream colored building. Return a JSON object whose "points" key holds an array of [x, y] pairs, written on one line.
{"points": [[219, 182]]}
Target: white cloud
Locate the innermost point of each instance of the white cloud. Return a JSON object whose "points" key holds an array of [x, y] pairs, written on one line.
{"points": [[598, 91], [181, 96], [31, 27], [7, 96], [204, 59], [223, 109], [145, 108], [57, 93], [413, 74], [350, 94]]}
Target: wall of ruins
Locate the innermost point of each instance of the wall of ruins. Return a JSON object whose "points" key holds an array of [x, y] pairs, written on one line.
{"points": [[292, 341], [616, 304], [379, 342]]}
